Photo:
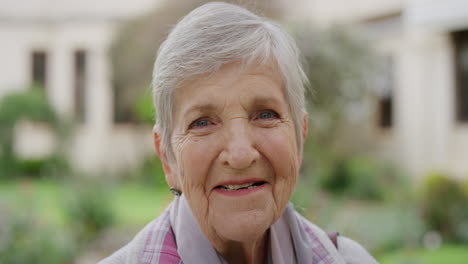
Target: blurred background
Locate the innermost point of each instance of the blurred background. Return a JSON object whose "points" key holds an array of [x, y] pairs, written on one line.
{"points": [[386, 160]]}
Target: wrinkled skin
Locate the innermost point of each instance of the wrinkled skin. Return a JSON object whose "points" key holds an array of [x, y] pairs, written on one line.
{"points": [[234, 125]]}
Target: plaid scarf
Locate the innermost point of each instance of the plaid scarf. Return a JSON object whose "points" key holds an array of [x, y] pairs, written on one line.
{"points": [[175, 238]]}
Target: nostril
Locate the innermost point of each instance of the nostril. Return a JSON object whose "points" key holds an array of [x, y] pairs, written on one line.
{"points": [[239, 158]]}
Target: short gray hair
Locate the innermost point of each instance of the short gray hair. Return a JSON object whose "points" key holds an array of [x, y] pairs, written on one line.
{"points": [[213, 35]]}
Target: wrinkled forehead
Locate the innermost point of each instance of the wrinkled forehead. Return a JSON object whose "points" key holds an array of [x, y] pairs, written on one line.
{"points": [[254, 72], [218, 87]]}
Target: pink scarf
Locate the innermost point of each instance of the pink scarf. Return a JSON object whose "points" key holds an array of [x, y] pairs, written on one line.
{"points": [[293, 239]]}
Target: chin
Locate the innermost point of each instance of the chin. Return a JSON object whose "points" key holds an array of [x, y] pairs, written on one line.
{"points": [[244, 226]]}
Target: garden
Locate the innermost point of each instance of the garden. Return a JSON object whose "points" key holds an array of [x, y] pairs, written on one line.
{"points": [[52, 213], [47, 206], [82, 220]]}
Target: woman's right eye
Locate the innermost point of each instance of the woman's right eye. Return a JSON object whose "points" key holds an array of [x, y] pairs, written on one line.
{"points": [[200, 123]]}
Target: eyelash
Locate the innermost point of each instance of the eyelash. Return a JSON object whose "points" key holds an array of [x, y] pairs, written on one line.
{"points": [[273, 113], [194, 124]]}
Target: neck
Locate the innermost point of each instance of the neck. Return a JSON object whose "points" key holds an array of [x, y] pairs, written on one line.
{"points": [[248, 252]]}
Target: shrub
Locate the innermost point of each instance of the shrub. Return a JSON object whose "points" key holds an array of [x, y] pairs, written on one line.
{"points": [[151, 173], [337, 179], [445, 206], [30, 104], [52, 166], [144, 109], [361, 178], [379, 227], [89, 210], [25, 240]]}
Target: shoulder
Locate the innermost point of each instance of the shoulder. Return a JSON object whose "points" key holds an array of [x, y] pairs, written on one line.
{"points": [[155, 243], [353, 253]]}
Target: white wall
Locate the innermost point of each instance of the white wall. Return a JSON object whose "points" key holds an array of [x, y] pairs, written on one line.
{"points": [[441, 142], [60, 28], [438, 15], [326, 12], [424, 101], [425, 136], [75, 9], [119, 149]]}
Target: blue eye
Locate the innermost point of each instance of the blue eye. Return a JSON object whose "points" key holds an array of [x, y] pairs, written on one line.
{"points": [[267, 115], [200, 123]]}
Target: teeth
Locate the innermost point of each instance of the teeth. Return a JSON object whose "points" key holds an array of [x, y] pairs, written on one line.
{"points": [[239, 186]]}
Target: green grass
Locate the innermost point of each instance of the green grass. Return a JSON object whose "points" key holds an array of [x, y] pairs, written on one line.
{"points": [[34, 196], [448, 254], [133, 204]]}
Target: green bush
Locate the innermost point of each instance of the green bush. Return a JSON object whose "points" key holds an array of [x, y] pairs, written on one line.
{"points": [[381, 228], [445, 206], [52, 166], [25, 240], [89, 209], [144, 109], [361, 178], [151, 173], [30, 104], [338, 178]]}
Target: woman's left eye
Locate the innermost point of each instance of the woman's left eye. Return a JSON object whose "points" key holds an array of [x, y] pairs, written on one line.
{"points": [[199, 123], [267, 115]]}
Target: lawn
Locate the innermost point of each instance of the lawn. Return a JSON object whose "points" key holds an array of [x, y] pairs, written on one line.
{"points": [[448, 254], [132, 203], [135, 204]]}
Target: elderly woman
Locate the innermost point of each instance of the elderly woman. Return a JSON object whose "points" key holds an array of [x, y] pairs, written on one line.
{"points": [[231, 121]]}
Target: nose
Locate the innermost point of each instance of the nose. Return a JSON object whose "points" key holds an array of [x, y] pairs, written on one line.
{"points": [[239, 150]]}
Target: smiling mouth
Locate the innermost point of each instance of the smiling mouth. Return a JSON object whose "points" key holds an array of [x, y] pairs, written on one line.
{"points": [[236, 187]]}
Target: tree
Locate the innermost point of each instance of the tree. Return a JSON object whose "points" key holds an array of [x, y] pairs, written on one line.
{"points": [[134, 49], [341, 69], [28, 105]]}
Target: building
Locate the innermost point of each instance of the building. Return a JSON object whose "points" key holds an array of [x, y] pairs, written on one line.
{"points": [[63, 45], [422, 119]]}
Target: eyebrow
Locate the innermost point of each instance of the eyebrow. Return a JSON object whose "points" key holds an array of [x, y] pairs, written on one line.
{"points": [[208, 106], [201, 107], [266, 100]]}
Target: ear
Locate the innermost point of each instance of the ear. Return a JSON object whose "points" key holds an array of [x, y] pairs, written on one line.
{"points": [[170, 177], [305, 127], [304, 135]]}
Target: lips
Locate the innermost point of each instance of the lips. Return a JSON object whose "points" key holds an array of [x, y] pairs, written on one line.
{"points": [[242, 185], [235, 187]]}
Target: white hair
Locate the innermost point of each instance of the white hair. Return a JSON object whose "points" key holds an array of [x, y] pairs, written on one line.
{"points": [[213, 35]]}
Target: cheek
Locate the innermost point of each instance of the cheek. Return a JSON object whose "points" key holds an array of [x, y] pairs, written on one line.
{"points": [[279, 148], [196, 157]]}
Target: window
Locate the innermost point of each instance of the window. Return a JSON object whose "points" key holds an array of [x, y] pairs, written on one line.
{"points": [[385, 94], [461, 75], [80, 84], [39, 68], [122, 108], [385, 110], [124, 103]]}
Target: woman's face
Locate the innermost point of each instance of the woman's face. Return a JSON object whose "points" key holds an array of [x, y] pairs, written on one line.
{"points": [[235, 153]]}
